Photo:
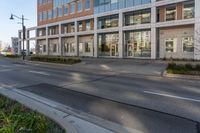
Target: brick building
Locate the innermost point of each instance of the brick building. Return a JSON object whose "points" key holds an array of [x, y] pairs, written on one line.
{"points": [[146, 29]]}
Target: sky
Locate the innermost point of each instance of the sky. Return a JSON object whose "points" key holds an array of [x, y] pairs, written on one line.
{"points": [[9, 28]]}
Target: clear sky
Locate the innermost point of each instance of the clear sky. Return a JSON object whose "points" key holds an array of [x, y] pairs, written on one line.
{"points": [[9, 28]]}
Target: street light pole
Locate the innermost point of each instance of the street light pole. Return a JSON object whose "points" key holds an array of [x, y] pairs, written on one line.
{"points": [[23, 31]]}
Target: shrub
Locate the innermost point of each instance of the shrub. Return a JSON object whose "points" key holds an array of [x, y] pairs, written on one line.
{"points": [[183, 69], [12, 56], [55, 59]]}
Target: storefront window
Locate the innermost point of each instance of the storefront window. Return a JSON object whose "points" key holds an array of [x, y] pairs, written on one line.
{"points": [[69, 47], [44, 48], [86, 45], [188, 44], [170, 44], [108, 44], [171, 13], [138, 44], [188, 10]]}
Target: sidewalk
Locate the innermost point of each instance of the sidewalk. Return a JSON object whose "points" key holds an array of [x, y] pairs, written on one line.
{"points": [[118, 66]]}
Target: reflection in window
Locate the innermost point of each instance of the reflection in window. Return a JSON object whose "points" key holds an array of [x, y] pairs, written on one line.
{"points": [[108, 22], [170, 44], [188, 44], [137, 17], [138, 44], [188, 10], [171, 13]]}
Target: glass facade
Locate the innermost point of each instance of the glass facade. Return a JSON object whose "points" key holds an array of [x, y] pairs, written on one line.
{"points": [[137, 17], [108, 44], [170, 44], [138, 43], [170, 13], [108, 22], [188, 10], [188, 44], [101, 6]]}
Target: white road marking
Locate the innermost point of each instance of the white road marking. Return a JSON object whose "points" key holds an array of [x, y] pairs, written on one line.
{"points": [[172, 96], [6, 70], [41, 73]]}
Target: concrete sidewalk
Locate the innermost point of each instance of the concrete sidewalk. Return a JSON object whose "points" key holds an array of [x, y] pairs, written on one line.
{"points": [[117, 66]]}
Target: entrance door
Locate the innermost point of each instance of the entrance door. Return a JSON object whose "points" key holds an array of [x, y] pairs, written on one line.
{"points": [[130, 50], [113, 50]]}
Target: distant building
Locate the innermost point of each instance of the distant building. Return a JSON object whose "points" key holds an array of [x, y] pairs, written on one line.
{"points": [[15, 44], [0, 46]]}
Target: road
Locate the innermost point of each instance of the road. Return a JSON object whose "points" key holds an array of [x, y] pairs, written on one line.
{"points": [[137, 101]]}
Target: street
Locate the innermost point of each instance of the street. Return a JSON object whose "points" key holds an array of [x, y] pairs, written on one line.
{"points": [[148, 103]]}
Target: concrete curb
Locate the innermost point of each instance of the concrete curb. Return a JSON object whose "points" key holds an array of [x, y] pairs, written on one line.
{"points": [[180, 76], [68, 121]]}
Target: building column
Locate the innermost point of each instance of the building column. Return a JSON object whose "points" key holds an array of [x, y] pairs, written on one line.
{"points": [[153, 31], [95, 37], [27, 43], [19, 43], [47, 42], [27, 47], [120, 45], [197, 31], [60, 42], [76, 38], [19, 47]]}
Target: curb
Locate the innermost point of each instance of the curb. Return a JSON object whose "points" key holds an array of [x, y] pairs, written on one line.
{"points": [[180, 76], [69, 122]]}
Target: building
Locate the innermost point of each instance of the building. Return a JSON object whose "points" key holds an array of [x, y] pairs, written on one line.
{"points": [[146, 29], [0, 46], [15, 45]]}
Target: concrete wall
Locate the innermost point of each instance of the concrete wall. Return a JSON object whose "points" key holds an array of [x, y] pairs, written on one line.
{"points": [[178, 33]]}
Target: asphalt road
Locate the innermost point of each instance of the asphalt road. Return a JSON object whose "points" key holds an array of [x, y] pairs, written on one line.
{"points": [[176, 97]]}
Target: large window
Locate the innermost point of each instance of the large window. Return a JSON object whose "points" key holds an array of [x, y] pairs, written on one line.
{"points": [[72, 8], [40, 2], [138, 43], [188, 10], [87, 4], [55, 13], [188, 44], [108, 22], [49, 14], [170, 44], [60, 12], [40, 16], [66, 10], [108, 44], [44, 15], [110, 5], [80, 26], [137, 17], [69, 47], [171, 13], [88, 25], [80, 6]]}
